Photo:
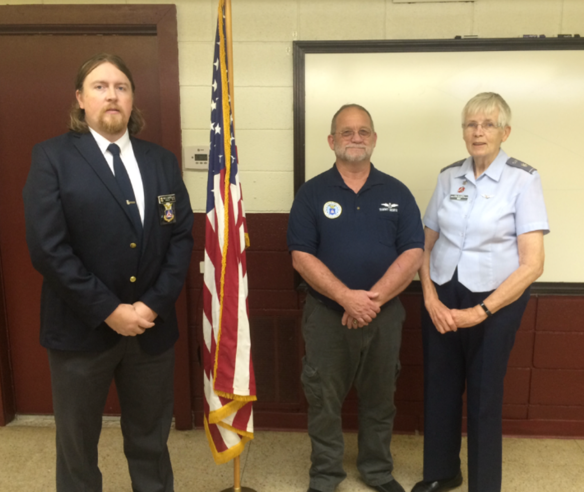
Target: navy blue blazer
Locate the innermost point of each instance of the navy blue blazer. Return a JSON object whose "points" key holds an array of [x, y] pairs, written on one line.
{"points": [[82, 240]]}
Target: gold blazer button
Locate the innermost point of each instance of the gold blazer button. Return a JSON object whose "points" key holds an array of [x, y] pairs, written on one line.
{"points": [[132, 279], [132, 245]]}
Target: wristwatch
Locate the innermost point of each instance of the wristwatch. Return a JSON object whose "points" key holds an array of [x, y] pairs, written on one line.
{"points": [[489, 314]]}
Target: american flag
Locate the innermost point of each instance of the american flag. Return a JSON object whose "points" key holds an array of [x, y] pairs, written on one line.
{"points": [[228, 370]]}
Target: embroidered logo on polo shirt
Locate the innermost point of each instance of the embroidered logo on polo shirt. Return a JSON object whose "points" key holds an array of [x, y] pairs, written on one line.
{"points": [[332, 210], [388, 207]]}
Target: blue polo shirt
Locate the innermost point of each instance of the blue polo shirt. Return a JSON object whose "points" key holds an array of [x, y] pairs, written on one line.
{"points": [[356, 235]]}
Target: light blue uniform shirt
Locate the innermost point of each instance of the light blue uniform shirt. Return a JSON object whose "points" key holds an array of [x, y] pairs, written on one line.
{"points": [[479, 221]]}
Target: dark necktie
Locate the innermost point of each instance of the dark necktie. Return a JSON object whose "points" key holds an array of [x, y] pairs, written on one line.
{"points": [[125, 186]]}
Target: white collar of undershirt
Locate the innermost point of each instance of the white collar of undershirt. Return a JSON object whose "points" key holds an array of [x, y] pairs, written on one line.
{"points": [[103, 143]]}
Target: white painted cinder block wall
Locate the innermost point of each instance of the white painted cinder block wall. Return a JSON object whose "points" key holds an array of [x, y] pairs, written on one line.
{"points": [[263, 32]]}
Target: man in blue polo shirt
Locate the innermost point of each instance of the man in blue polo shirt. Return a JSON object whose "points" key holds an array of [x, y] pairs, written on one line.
{"points": [[356, 238]]}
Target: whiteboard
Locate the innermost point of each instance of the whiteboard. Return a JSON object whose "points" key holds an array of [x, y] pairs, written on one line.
{"points": [[415, 99]]}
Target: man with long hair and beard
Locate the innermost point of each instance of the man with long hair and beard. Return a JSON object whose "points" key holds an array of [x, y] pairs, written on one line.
{"points": [[108, 225]]}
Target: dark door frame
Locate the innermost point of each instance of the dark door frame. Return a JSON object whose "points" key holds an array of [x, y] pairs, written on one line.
{"points": [[154, 20]]}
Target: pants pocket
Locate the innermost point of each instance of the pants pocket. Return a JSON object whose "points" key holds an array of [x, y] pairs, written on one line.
{"points": [[397, 372], [312, 386], [309, 307]]}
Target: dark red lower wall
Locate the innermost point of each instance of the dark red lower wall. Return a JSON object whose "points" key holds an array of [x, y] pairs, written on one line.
{"points": [[544, 387]]}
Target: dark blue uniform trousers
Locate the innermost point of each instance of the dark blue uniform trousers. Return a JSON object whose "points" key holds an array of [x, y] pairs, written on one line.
{"points": [[80, 383], [336, 359], [477, 356]]}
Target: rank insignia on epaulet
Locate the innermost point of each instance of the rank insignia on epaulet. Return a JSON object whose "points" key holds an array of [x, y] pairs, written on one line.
{"points": [[520, 165], [455, 164]]}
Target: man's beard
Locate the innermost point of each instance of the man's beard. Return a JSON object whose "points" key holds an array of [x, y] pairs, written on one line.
{"points": [[342, 153], [112, 123]]}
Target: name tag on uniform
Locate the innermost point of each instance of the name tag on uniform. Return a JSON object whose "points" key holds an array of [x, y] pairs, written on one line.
{"points": [[166, 207], [459, 197]]}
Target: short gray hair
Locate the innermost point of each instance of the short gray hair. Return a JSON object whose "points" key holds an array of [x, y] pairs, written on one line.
{"points": [[487, 103], [347, 106]]}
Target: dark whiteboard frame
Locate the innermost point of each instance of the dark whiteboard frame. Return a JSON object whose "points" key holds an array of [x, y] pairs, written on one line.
{"points": [[302, 48]]}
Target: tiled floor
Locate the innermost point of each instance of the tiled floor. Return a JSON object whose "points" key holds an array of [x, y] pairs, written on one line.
{"points": [[275, 462]]}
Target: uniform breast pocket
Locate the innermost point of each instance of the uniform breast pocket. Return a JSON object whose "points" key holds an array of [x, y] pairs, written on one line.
{"points": [[387, 228]]}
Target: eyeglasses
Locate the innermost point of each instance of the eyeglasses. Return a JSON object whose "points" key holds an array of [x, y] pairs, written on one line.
{"points": [[487, 126], [363, 133]]}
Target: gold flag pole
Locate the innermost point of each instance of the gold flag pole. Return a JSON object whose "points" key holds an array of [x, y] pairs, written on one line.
{"points": [[236, 461], [228, 25]]}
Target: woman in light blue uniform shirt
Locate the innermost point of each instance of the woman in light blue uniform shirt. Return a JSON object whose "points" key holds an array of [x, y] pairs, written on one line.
{"points": [[484, 247]]}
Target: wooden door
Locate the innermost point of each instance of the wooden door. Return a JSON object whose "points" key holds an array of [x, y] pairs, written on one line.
{"points": [[41, 51]]}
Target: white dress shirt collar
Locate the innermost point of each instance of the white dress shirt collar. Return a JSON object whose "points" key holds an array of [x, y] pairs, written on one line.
{"points": [[103, 143]]}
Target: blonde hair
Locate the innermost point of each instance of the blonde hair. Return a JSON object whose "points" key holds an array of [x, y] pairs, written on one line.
{"points": [[77, 121]]}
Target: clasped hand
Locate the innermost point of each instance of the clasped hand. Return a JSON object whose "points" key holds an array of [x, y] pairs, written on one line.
{"points": [[446, 320], [130, 320], [361, 307]]}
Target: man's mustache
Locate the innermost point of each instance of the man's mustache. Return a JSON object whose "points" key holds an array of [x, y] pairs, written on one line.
{"points": [[110, 108]]}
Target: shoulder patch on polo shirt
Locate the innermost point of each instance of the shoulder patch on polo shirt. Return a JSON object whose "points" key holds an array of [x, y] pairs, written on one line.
{"points": [[520, 165], [332, 210], [456, 164]]}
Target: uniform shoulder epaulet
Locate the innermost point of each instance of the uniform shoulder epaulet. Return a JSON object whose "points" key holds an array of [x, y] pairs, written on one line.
{"points": [[520, 165], [455, 164]]}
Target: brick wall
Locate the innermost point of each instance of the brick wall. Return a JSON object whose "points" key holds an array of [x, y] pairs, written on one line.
{"points": [[544, 387]]}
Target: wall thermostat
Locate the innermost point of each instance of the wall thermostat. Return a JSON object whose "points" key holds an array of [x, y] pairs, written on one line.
{"points": [[196, 158]]}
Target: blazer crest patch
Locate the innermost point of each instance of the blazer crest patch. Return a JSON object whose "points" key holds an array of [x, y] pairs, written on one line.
{"points": [[166, 207]]}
